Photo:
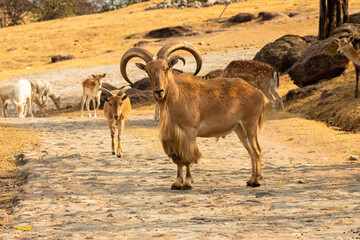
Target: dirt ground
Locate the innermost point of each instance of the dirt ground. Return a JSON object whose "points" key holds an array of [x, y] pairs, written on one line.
{"points": [[73, 188]]}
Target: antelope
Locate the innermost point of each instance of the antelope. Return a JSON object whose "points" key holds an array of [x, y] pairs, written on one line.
{"points": [[91, 91], [346, 47], [44, 90], [117, 110], [258, 74], [192, 107]]}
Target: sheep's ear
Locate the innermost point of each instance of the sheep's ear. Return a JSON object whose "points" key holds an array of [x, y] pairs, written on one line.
{"points": [[94, 76], [336, 40], [124, 97], [141, 66], [104, 75], [172, 62]]}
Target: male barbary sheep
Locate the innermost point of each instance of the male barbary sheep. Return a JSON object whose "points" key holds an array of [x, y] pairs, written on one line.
{"points": [[117, 110], [91, 91], [192, 107], [258, 74]]}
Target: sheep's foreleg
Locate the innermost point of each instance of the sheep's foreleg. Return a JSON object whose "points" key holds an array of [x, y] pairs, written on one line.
{"points": [[178, 184], [188, 179], [112, 133], [120, 131]]}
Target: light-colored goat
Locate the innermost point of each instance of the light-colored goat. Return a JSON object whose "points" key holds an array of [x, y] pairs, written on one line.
{"points": [[192, 107], [91, 91], [21, 95], [7, 91], [117, 108], [258, 74], [44, 90], [346, 47]]}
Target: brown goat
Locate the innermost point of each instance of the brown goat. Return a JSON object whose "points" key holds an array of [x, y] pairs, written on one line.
{"points": [[91, 91], [258, 74], [191, 107], [117, 110]]}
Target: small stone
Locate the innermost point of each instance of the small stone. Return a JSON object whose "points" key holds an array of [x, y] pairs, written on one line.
{"points": [[311, 151], [110, 215], [201, 43], [354, 158]]}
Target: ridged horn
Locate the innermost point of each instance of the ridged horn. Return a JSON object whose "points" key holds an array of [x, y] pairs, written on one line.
{"points": [[129, 54], [169, 48], [177, 57], [123, 90]]}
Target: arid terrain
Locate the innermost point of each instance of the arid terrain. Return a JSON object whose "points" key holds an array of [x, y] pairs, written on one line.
{"points": [[71, 187]]}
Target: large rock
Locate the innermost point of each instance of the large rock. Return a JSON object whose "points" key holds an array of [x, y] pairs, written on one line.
{"points": [[267, 16], [241, 17], [59, 58], [276, 53], [167, 32], [318, 63]]}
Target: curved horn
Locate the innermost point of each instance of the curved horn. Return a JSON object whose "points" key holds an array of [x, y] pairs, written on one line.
{"points": [[123, 90], [177, 57], [133, 52], [169, 48], [107, 91]]}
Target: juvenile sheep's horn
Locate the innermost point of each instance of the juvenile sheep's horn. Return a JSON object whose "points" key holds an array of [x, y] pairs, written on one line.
{"points": [[123, 90], [169, 48], [175, 57], [129, 54]]}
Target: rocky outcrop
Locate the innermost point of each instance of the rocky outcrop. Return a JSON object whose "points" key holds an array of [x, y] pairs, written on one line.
{"points": [[59, 58], [241, 17], [318, 62], [277, 53], [167, 32]]}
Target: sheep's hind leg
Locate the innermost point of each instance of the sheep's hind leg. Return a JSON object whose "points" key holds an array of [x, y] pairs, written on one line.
{"points": [[188, 179], [178, 184]]}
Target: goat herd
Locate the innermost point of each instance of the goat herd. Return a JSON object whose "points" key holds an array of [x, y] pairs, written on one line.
{"points": [[189, 106]]}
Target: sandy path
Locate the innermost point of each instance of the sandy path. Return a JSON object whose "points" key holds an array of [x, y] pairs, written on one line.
{"points": [[77, 190]]}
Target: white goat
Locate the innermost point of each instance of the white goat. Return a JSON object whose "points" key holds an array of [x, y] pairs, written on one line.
{"points": [[7, 91]]}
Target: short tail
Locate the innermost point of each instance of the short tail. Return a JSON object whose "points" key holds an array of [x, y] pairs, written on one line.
{"points": [[276, 79]]}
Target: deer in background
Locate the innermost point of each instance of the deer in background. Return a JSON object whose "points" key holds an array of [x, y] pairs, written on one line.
{"points": [[258, 74], [117, 108], [346, 47], [44, 90], [91, 87]]}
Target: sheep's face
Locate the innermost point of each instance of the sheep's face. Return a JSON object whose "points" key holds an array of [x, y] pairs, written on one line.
{"points": [[159, 71], [344, 44], [115, 103], [99, 77]]}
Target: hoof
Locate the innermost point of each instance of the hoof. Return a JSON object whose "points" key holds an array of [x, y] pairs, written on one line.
{"points": [[119, 156], [253, 184], [113, 153], [176, 186], [187, 187]]}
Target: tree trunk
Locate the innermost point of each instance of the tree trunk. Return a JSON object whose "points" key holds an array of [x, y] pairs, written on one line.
{"points": [[332, 14]]}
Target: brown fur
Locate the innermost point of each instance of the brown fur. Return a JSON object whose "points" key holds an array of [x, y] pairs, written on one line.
{"points": [[258, 74], [121, 107], [191, 107], [91, 88]]}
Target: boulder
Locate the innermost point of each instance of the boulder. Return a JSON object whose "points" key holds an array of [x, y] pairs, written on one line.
{"points": [[275, 53], [167, 32], [213, 74], [241, 17], [300, 93], [267, 16], [59, 58], [318, 62], [143, 84]]}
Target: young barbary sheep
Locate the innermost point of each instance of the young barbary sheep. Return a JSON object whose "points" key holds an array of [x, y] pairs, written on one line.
{"points": [[258, 74], [91, 91], [117, 110], [192, 107], [44, 90], [7, 91]]}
